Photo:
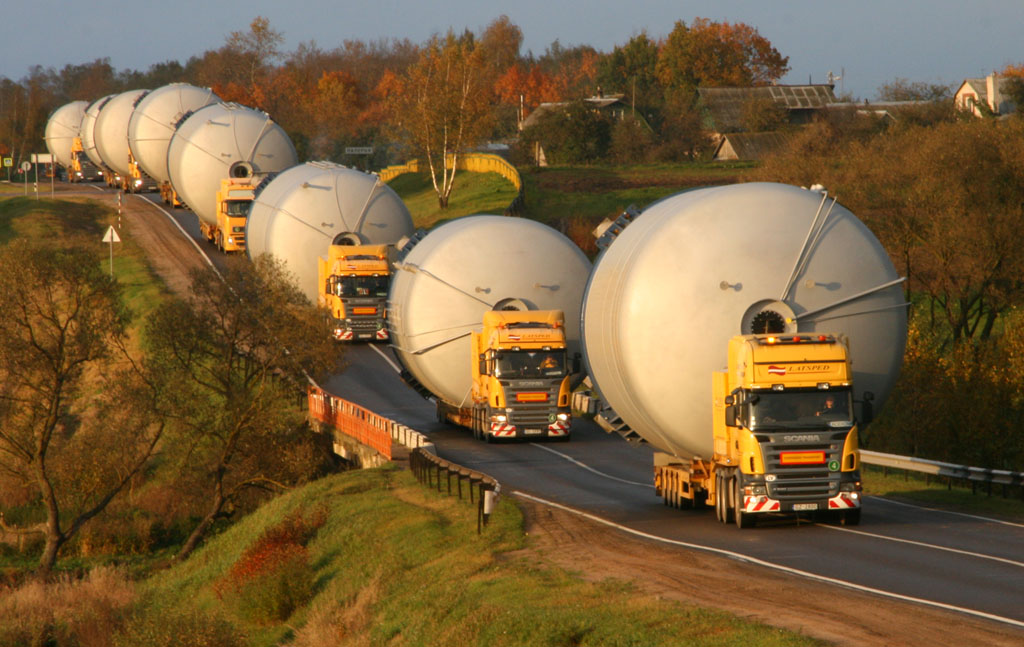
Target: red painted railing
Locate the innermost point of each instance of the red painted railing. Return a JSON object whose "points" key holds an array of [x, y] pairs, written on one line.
{"points": [[351, 419]]}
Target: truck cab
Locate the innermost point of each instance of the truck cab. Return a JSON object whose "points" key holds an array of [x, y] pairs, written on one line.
{"points": [[785, 438], [354, 281], [521, 376], [233, 201]]}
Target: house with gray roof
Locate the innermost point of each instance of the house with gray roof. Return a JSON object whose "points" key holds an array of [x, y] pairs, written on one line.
{"points": [[988, 91]]}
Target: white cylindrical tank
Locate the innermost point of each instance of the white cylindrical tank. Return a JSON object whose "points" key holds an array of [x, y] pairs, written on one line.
{"points": [[111, 130], [219, 141], [61, 129], [154, 119], [697, 268], [443, 286], [299, 213], [88, 131]]}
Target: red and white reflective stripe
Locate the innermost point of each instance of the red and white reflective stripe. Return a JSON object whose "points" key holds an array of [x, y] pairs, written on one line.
{"points": [[382, 333], [343, 335], [843, 502], [760, 504], [558, 428], [502, 430]]}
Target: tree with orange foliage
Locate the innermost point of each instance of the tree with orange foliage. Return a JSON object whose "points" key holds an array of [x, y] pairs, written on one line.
{"points": [[717, 54], [443, 107]]}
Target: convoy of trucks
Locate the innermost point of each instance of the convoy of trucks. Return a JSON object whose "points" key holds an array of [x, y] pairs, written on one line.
{"points": [[488, 315], [354, 282]]}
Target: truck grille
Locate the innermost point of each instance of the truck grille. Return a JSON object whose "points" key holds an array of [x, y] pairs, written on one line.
{"points": [[529, 411], [359, 321], [802, 481]]}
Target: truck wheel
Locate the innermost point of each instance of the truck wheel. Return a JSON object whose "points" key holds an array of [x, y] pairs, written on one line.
{"points": [[851, 517], [719, 498], [742, 519]]}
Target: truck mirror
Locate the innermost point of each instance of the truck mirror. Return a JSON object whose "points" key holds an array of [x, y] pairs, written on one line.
{"points": [[730, 399], [867, 410], [730, 415], [576, 363]]}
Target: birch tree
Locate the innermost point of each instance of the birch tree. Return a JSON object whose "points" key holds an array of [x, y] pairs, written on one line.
{"points": [[443, 106]]}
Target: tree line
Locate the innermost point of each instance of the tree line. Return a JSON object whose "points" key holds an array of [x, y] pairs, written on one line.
{"points": [[407, 99]]}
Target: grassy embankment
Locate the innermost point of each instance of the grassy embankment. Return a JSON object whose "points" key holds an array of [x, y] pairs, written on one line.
{"points": [[395, 563]]}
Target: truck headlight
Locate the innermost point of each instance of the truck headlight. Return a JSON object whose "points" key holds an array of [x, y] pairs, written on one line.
{"points": [[563, 416], [850, 486], [499, 418]]}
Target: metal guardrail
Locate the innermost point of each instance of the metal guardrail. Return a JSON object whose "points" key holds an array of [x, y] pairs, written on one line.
{"points": [[429, 469], [974, 475]]}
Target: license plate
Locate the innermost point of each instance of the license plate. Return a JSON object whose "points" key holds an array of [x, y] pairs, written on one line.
{"points": [[805, 506], [533, 431]]}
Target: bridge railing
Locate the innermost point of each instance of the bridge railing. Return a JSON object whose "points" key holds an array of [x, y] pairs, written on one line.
{"points": [[474, 162]]}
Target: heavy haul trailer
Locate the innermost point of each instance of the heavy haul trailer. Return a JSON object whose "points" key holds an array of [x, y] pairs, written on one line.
{"points": [[784, 436], [677, 321], [520, 370], [354, 282]]}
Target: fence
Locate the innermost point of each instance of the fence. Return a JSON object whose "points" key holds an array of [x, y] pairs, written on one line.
{"points": [[430, 469], [352, 420], [974, 475], [473, 162]]}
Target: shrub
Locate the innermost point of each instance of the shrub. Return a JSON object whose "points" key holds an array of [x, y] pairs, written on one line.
{"points": [[273, 577]]}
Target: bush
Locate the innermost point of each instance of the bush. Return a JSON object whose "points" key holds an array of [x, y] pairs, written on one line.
{"points": [[273, 577]]}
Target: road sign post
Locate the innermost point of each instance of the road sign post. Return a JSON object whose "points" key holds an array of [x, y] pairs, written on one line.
{"points": [[111, 237], [25, 166]]}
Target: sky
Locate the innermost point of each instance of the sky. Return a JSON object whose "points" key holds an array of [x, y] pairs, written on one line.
{"points": [[865, 42]]}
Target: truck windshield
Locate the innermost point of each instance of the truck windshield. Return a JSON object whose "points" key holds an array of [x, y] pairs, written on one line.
{"points": [[236, 208], [788, 409], [530, 363], [359, 286]]}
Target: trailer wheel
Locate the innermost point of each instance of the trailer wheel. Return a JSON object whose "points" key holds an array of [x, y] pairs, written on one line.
{"points": [[742, 519]]}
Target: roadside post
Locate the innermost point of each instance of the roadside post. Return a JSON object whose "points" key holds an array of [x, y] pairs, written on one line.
{"points": [[111, 237], [25, 166]]}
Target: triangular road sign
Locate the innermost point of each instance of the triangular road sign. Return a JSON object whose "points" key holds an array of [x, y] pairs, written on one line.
{"points": [[111, 236]]}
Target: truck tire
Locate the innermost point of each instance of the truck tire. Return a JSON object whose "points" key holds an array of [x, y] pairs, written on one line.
{"points": [[851, 517], [720, 512], [742, 519]]}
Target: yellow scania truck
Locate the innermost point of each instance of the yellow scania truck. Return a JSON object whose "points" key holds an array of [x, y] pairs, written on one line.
{"points": [[521, 378], [354, 282], [785, 439], [233, 201]]}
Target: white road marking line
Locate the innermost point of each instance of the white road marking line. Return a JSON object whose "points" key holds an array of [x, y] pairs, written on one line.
{"points": [[778, 567], [183, 232], [958, 514], [591, 469], [923, 545], [386, 358]]}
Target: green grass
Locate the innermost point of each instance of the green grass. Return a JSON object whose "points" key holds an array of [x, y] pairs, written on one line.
{"points": [[936, 492], [397, 563], [594, 193], [555, 194], [474, 193], [45, 218]]}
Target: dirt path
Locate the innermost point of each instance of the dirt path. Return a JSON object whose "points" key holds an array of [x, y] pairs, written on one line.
{"points": [[832, 613]]}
